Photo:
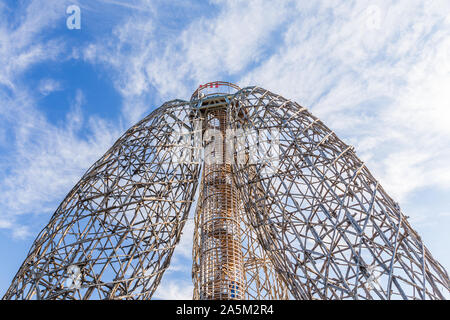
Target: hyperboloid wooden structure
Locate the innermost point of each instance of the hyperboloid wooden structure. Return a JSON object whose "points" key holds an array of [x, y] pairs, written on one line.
{"points": [[285, 209]]}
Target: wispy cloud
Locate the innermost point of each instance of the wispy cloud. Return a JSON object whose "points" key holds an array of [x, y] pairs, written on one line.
{"points": [[209, 47], [41, 160], [174, 290], [47, 159], [378, 76], [47, 86], [129, 5], [22, 42]]}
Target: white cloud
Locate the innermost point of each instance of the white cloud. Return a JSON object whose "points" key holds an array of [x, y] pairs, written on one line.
{"points": [[184, 247], [207, 49], [21, 232], [43, 160], [174, 290], [49, 159], [21, 43], [5, 224], [127, 5], [230, 41], [384, 89], [47, 86]]}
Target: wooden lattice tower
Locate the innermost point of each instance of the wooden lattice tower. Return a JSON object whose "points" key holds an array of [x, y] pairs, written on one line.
{"points": [[311, 224]]}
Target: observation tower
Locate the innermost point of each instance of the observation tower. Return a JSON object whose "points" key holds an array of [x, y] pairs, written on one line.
{"points": [[284, 209]]}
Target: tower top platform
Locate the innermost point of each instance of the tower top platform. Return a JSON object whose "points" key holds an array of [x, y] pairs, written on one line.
{"points": [[216, 88]]}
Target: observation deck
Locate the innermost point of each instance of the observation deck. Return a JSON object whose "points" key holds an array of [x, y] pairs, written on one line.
{"points": [[213, 94]]}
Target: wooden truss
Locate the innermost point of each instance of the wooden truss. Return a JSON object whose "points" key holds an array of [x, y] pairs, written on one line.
{"points": [[314, 224]]}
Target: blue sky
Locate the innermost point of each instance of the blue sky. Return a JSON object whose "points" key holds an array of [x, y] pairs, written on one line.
{"points": [[376, 72]]}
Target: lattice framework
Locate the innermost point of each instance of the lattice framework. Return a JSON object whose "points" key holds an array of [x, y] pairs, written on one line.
{"points": [[313, 225]]}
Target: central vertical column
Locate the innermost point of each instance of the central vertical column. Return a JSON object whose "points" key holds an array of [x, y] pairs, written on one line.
{"points": [[221, 260]]}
